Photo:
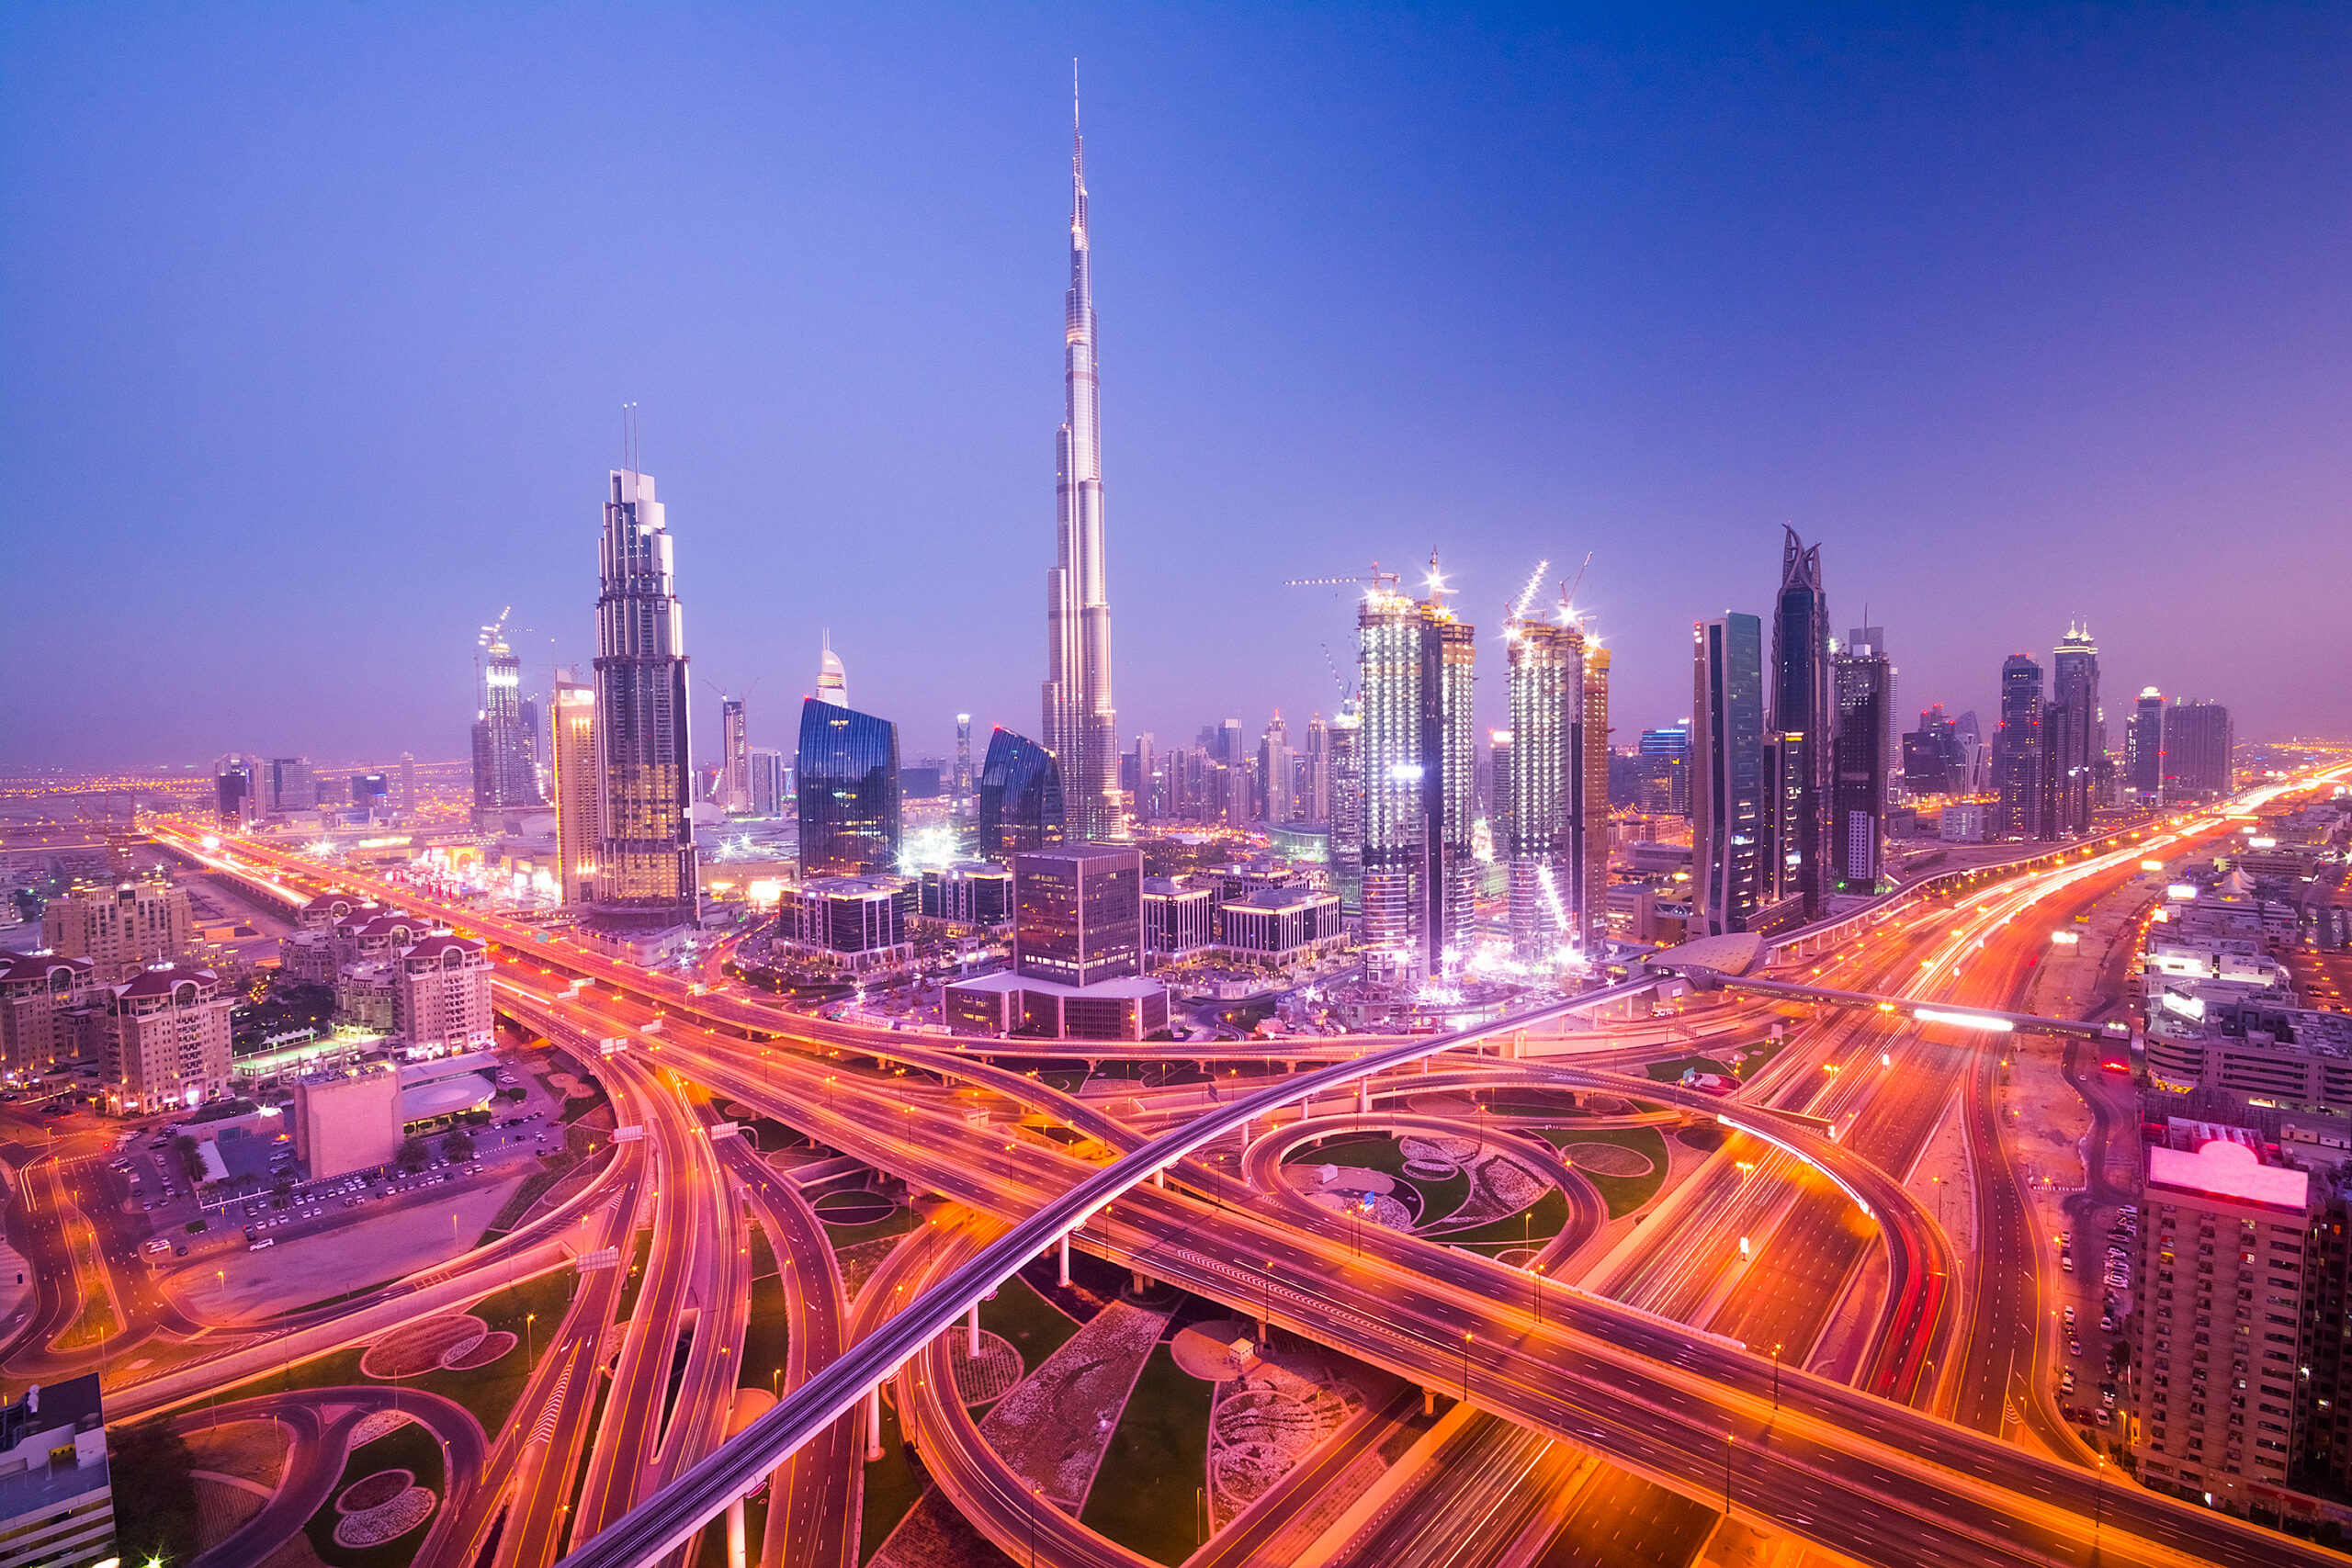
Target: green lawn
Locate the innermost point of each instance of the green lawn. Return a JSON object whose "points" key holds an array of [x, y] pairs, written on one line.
{"points": [[892, 1486], [1146, 1495], [1438, 1197], [1625, 1194], [411, 1448], [1030, 1323], [1671, 1072], [767, 1333]]}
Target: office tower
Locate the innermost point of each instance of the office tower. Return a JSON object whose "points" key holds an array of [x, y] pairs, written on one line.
{"points": [[1536, 780], [962, 803], [847, 773], [645, 853], [1274, 772], [370, 793], [2073, 736], [577, 817], [771, 785], [1588, 811], [235, 790], [504, 777], [119, 930], [1728, 785], [2143, 748], [2199, 750], [1143, 802], [167, 1040], [1347, 806], [1417, 762], [292, 787], [1236, 791], [1317, 805], [1891, 744], [1081, 726], [1931, 760], [1021, 796], [735, 758], [2017, 758], [534, 727], [1664, 754], [1858, 778], [408, 783], [1078, 913], [1801, 706], [1975, 756]]}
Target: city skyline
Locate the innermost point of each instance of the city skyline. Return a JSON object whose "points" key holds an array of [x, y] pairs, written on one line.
{"points": [[1373, 472]]}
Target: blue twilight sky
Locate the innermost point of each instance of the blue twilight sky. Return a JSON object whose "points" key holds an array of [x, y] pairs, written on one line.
{"points": [[315, 319]]}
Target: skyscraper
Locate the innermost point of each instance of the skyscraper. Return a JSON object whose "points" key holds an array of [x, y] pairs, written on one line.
{"points": [[1801, 706], [1021, 796], [1240, 805], [1418, 762], [1665, 765], [847, 773], [960, 796], [1728, 785], [1859, 759], [1081, 726], [2143, 747], [1589, 813], [1347, 806], [1145, 803], [578, 815], [735, 759], [1274, 771], [1317, 805], [2018, 756], [2075, 735], [1931, 760], [408, 783], [504, 775], [645, 851], [1536, 780], [1975, 756], [2199, 750]]}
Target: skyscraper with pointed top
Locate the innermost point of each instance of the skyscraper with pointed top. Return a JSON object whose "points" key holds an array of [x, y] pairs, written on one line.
{"points": [[1081, 726]]}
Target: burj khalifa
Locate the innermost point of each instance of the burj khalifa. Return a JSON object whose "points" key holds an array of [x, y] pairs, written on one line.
{"points": [[1081, 726]]}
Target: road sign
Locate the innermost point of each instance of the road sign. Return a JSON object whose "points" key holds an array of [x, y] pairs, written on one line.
{"points": [[603, 1257], [725, 1130], [628, 1135]]}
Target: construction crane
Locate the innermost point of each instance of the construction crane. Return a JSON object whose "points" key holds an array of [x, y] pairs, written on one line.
{"points": [[495, 633], [1376, 577], [1517, 612]]}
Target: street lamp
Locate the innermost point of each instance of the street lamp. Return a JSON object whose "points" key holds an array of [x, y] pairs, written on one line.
{"points": [[1465, 1365], [1728, 1445], [1776, 1378]]}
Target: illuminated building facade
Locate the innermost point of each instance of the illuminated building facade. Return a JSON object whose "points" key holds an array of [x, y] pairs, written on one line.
{"points": [[1315, 805], [847, 773], [441, 996], [1418, 765], [1858, 771], [645, 853], [2199, 750], [2017, 753], [2074, 737], [1801, 706], [1077, 914], [119, 929], [1538, 779], [961, 798], [167, 1040], [505, 777], [1730, 792], [38, 994], [2143, 748], [1081, 726], [1589, 814], [1347, 806], [292, 785], [578, 799], [735, 759], [1020, 797], [1275, 804]]}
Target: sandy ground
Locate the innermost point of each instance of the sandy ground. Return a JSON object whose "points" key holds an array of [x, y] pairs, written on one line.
{"points": [[1053, 1428], [243, 1450], [349, 1257], [220, 1508]]}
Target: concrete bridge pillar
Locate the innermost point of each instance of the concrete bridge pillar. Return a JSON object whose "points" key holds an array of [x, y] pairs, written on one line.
{"points": [[972, 1324], [1363, 1096], [1065, 1269], [735, 1553], [873, 1422], [1429, 1401]]}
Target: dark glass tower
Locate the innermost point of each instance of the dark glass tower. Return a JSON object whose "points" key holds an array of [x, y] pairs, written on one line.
{"points": [[1728, 783], [1801, 706], [1858, 790], [2077, 734], [2017, 757], [1020, 797], [645, 851], [847, 769]]}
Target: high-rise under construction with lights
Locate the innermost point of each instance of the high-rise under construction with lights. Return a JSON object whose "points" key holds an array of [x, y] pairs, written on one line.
{"points": [[1543, 781], [1081, 727], [1417, 757]]}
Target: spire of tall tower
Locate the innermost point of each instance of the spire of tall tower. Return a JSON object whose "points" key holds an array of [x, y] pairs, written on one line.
{"points": [[1081, 728]]}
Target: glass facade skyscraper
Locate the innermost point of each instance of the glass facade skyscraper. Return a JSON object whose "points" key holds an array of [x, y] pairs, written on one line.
{"points": [[1801, 706], [1077, 914], [1538, 776], [1858, 791], [847, 769], [645, 853], [1019, 796], [1417, 761], [2077, 734], [2018, 762], [1729, 806]]}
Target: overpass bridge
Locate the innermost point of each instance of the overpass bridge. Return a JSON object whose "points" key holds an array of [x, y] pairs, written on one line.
{"points": [[1989, 1020]]}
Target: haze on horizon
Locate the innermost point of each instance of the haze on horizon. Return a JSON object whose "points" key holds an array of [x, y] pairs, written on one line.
{"points": [[315, 326]]}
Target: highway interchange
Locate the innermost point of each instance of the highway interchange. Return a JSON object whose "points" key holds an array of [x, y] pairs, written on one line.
{"points": [[1613, 1397]]}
